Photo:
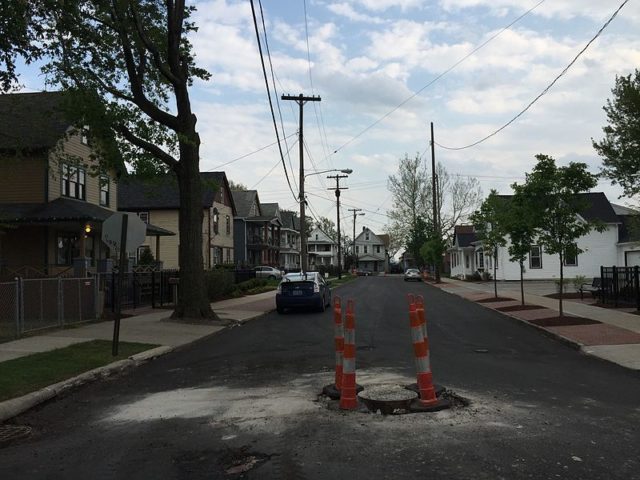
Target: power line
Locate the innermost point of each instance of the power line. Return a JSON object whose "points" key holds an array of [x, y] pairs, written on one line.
{"points": [[266, 81], [438, 77], [606, 24], [275, 90], [249, 154]]}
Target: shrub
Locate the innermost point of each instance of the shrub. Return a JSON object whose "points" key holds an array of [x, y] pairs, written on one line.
{"points": [[578, 281], [219, 284], [565, 283], [486, 276], [474, 277]]}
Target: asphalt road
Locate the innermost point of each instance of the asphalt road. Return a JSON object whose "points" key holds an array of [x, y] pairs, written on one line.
{"points": [[244, 404]]}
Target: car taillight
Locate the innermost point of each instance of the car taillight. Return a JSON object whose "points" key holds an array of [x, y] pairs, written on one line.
{"points": [[316, 288]]}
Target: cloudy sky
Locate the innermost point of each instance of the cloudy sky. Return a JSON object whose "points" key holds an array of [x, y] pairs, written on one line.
{"points": [[376, 65]]}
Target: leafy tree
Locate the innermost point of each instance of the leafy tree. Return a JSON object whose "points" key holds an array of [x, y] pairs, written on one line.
{"points": [[129, 65], [620, 147], [418, 236], [237, 186], [490, 223], [328, 227], [432, 250], [555, 193], [521, 220], [411, 192]]}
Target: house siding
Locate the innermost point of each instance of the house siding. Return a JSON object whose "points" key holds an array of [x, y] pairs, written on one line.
{"points": [[23, 179], [168, 254]]}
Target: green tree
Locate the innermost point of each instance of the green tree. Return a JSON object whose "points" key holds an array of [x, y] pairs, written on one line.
{"points": [[521, 221], [620, 147], [129, 65], [432, 250], [490, 224], [555, 193], [418, 236]]}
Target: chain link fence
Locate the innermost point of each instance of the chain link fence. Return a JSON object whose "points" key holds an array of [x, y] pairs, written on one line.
{"points": [[29, 305]]}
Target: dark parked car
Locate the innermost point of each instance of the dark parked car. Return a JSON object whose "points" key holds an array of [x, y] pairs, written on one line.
{"points": [[412, 274], [303, 290], [363, 272]]}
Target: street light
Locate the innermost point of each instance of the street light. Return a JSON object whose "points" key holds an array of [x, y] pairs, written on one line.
{"points": [[303, 233]]}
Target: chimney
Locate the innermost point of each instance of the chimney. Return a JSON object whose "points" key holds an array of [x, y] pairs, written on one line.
{"points": [[364, 228]]}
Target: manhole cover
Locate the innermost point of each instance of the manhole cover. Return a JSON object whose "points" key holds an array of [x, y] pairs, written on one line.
{"points": [[13, 432], [387, 398]]}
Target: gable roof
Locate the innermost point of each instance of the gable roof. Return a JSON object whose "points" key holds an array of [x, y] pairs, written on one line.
{"points": [[463, 229], [162, 193], [596, 207], [32, 121], [244, 200], [322, 236], [367, 229], [270, 209], [290, 220]]}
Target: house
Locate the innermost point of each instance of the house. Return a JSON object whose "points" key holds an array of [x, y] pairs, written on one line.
{"points": [[628, 236], [609, 247], [257, 227], [157, 201], [54, 195], [289, 241], [322, 249], [372, 251]]}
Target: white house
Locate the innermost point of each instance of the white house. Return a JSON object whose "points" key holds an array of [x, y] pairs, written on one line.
{"points": [[613, 246], [372, 251], [322, 249]]}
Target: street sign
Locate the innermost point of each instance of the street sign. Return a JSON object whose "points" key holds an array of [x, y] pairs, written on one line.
{"points": [[112, 230]]}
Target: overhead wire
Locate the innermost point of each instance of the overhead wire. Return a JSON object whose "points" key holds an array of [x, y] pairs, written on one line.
{"points": [[273, 79], [266, 81], [272, 168], [248, 154], [548, 87], [438, 77], [319, 119]]}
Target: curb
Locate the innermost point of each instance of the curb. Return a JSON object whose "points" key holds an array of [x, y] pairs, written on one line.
{"points": [[15, 406]]}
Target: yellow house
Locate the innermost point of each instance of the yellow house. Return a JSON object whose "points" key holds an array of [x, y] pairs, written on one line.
{"points": [[53, 199], [157, 201]]}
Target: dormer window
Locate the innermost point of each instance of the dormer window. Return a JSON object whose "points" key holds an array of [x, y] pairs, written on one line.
{"points": [[73, 182], [84, 135]]}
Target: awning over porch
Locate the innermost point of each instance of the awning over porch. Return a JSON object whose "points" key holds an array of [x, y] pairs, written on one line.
{"points": [[62, 210]]}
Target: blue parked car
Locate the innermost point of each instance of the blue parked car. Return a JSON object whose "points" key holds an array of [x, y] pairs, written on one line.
{"points": [[303, 290]]}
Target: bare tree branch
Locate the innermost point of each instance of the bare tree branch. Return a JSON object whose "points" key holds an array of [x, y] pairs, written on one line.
{"points": [[147, 146]]}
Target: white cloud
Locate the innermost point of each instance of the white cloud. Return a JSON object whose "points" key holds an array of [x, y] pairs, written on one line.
{"points": [[346, 10]]}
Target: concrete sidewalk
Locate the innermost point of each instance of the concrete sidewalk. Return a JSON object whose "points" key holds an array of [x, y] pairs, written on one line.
{"points": [[609, 334]]}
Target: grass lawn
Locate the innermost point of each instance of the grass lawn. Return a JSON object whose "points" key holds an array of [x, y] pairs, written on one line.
{"points": [[346, 277], [28, 374]]}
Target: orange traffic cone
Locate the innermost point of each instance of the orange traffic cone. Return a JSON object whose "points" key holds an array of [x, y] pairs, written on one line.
{"points": [[348, 400]]}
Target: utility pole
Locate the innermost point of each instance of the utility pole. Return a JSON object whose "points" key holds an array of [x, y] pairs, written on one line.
{"points": [[301, 100], [355, 212], [434, 188], [338, 177]]}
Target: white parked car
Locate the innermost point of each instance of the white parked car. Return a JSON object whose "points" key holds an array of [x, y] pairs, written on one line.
{"points": [[268, 272]]}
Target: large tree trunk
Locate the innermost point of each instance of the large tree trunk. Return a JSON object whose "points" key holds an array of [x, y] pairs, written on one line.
{"points": [[193, 303]]}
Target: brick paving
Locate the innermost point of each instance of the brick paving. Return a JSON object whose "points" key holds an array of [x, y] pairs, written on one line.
{"points": [[532, 314], [600, 334]]}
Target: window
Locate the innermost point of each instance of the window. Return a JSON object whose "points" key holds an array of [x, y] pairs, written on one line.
{"points": [[316, 236], [535, 257], [104, 190], [229, 259], [377, 248], [480, 259], [73, 182], [366, 236], [357, 249], [84, 135], [366, 249], [228, 220], [466, 261], [571, 256], [144, 216], [66, 249]]}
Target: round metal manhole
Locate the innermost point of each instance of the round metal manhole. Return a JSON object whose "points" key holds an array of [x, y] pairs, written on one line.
{"points": [[9, 433], [387, 398]]}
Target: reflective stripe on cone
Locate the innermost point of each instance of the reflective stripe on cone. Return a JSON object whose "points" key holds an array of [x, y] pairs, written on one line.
{"points": [[421, 352], [338, 329], [348, 400]]}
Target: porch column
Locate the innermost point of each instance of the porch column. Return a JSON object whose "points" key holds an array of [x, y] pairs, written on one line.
{"points": [[81, 262], [157, 248]]}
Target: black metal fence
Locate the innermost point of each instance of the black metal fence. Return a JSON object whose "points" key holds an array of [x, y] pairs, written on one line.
{"points": [[620, 286], [139, 289]]}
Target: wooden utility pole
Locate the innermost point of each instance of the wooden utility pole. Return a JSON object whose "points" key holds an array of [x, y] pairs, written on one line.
{"points": [[355, 212], [301, 100], [436, 213], [338, 177]]}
